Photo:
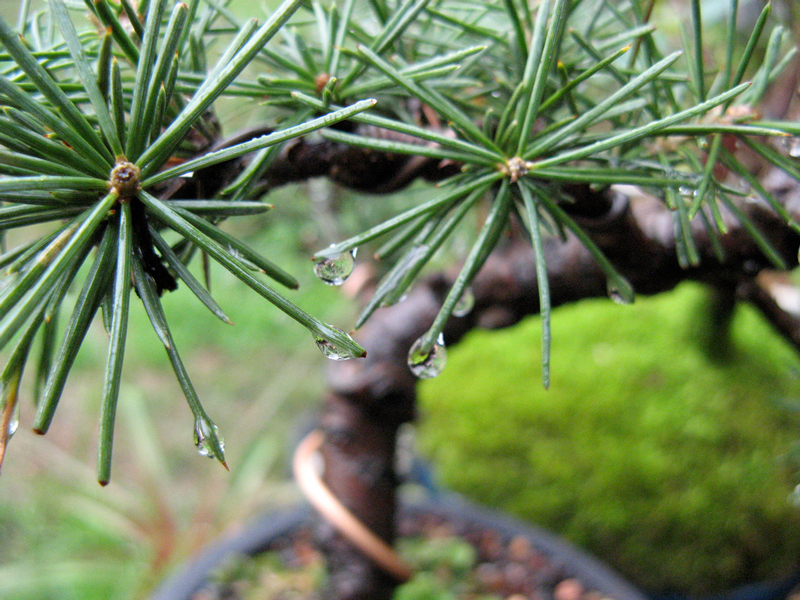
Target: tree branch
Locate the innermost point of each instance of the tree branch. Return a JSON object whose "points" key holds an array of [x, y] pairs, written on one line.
{"points": [[636, 233]]}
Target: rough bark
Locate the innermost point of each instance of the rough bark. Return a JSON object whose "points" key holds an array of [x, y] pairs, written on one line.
{"points": [[636, 233], [370, 398]]}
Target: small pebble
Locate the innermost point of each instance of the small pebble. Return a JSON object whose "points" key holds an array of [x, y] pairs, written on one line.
{"points": [[519, 549], [569, 589]]}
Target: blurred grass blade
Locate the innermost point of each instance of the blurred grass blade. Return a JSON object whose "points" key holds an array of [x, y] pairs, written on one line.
{"points": [[116, 345], [82, 314]]}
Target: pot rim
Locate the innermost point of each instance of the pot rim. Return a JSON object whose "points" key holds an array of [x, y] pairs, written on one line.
{"points": [[258, 535]]}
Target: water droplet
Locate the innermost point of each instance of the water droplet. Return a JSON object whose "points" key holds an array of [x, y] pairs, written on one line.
{"points": [[792, 146], [426, 365], [331, 349], [464, 305], [621, 292], [794, 497], [333, 270], [202, 433], [13, 424], [687, 192]]}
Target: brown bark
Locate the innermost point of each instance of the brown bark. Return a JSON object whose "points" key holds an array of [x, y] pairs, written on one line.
{"points": [[369, 398]]}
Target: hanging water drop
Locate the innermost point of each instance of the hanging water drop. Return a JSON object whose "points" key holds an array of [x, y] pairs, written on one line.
{"points": [[794, 497], [465, 304], [9, 409], [621, 292], [13, 424], [688, 193], [794, 147], [332, 350], [202, 434], [333, 270], [427, 365]]}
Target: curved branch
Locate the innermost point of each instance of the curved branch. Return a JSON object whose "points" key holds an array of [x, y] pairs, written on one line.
{"points": [[370, 398]]}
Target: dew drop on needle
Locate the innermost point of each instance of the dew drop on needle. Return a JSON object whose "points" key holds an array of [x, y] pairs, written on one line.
{"points": [[427, 365], [334, 270]]}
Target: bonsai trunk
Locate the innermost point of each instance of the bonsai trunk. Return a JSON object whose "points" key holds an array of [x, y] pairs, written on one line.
{"points": [[369, 399]]}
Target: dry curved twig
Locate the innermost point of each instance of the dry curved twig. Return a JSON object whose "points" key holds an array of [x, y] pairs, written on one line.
{"points": [[337, 515]]}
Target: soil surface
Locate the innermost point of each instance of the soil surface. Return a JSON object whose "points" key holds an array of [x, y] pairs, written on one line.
{"points": [[457, 560]]}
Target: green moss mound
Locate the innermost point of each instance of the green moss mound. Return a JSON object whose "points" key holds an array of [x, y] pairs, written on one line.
{"points": [[653, 452]]}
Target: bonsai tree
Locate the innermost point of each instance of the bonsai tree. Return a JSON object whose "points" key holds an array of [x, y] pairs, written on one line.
{"points": [[569, 154]]}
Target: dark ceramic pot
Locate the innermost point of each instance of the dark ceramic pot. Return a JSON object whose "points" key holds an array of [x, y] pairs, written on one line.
{"points": [[561, 561]]}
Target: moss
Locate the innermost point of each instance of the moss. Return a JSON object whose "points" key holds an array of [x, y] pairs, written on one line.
{"points": [[655, 449]]}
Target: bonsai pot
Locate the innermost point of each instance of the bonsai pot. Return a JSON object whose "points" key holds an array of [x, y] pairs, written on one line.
{"points": [[515, 558]]}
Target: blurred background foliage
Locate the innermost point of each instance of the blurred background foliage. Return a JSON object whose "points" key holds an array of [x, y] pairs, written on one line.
{"points": [[663, 446], [65, 537], [646, 440]]}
